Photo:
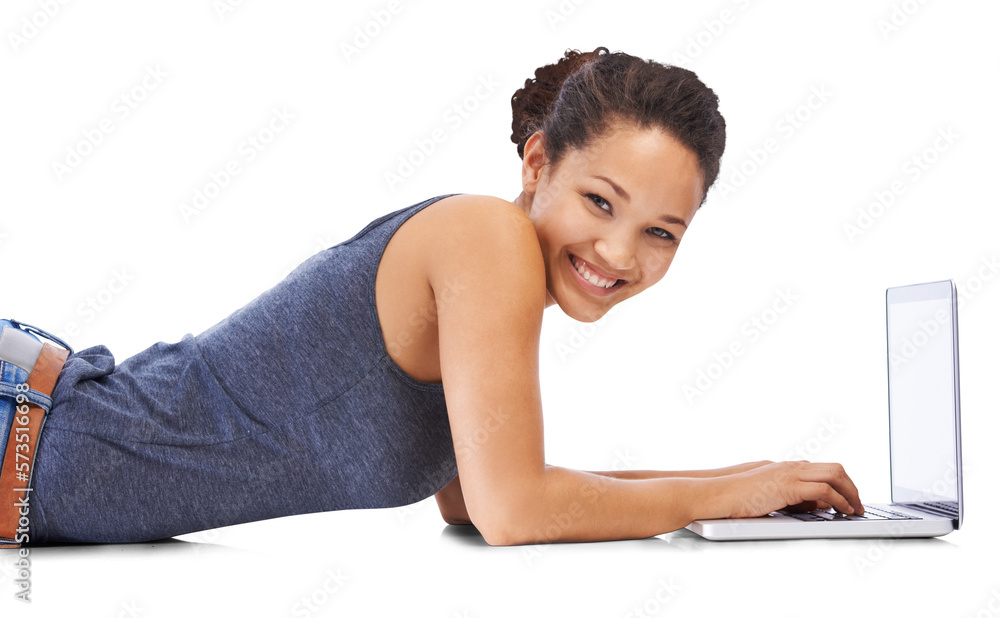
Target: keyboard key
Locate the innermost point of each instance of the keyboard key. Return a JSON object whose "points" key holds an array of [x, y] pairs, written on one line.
{"points": [[886, 513], [870, 514]]}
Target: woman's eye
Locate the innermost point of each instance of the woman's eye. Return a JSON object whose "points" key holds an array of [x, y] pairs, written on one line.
{"points": [[600, 201], [662, 233], [603, 204]]}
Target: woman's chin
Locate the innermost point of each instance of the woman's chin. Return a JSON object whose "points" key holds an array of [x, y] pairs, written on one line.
{"points": [[590, 313], [581, 308]]}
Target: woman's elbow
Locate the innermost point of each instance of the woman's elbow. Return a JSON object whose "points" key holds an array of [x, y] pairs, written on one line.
{"points": [[494, 531], [455, 520], [503, 537], [504, 527]]}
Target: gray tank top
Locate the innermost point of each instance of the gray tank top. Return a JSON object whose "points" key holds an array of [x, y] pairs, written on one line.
{"points": [[318, 335], [289, 405]]}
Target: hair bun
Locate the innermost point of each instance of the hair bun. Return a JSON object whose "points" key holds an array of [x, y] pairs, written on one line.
{"points": [[532, 103]]}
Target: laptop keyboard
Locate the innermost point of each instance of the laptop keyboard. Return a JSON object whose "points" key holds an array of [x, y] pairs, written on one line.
{"points": [[948, 507], [871, 514]]}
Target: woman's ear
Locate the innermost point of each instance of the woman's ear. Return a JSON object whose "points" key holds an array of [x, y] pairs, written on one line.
{"points": [[533, 162]]}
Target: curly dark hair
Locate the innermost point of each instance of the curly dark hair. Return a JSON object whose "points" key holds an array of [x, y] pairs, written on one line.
{"points": [[579, 98]]}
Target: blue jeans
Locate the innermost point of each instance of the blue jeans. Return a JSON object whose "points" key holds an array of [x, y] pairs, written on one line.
{"points": [[10, 376], [19, 350]]}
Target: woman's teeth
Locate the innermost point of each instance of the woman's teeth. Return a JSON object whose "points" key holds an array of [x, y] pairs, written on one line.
{"points": [[594, 279]]}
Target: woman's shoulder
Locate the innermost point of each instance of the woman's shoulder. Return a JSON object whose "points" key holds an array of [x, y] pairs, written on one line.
{"points": [[466, 221], [469, 208], [468, 231]]}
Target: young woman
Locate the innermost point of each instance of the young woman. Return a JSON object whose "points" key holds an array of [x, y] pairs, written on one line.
{"points": [[403, 362]]}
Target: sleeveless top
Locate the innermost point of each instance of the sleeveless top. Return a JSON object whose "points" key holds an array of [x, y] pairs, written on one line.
{"points": [[289, 405]]}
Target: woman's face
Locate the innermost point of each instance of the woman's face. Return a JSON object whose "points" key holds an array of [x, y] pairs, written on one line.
{"points": [[617, 210]]}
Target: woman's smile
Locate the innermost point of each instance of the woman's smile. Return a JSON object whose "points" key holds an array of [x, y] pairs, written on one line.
{"points": [[593, 280]]}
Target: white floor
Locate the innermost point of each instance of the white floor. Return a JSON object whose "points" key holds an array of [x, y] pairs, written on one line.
{"points": [[407, 562]]}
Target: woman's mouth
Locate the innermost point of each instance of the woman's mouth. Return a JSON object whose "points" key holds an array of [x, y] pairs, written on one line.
{"points": [[590, 280]]}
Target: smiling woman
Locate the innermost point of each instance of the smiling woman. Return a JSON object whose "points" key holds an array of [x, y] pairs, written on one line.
{"points": [[612, 247], [403, 362]]}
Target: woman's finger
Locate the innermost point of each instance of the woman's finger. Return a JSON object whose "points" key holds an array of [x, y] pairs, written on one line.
{"points": [[835, 476], [822, 491]]}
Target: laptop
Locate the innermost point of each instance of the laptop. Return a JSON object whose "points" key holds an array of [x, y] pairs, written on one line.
{"points": [[925, 440]]}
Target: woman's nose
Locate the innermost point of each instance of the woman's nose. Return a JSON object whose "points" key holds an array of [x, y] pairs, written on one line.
{"points": [[617, 253]]}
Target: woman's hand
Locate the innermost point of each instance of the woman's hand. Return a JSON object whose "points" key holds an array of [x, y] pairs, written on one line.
{"points": [[801, 485]]}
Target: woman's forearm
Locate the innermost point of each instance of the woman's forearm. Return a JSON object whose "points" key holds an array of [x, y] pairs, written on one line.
{"points": [[664, 474], [576, 505]]}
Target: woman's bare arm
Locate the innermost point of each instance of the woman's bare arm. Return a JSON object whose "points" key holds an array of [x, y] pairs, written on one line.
{"points": [[666, 474], [488, 338], [451, 502]]}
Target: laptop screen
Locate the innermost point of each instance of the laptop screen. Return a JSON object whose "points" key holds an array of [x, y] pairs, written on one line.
{"points": [[921, 332]]}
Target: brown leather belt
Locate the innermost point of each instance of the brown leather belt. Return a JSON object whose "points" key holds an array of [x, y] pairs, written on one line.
{"points": [[19, 456]]}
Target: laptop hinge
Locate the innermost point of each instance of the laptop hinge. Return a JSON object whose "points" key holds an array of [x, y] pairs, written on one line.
{"points": [[926, 508]]}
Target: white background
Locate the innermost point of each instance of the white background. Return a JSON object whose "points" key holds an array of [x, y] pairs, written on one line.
{"points": [[812, 386]]}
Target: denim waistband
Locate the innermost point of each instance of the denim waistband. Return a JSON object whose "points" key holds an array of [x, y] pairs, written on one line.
{"points": [[19, 350], [10, 376], [28, 328]]}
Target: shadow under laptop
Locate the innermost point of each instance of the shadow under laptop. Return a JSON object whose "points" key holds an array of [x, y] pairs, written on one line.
{"points": [[688, 538]]}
